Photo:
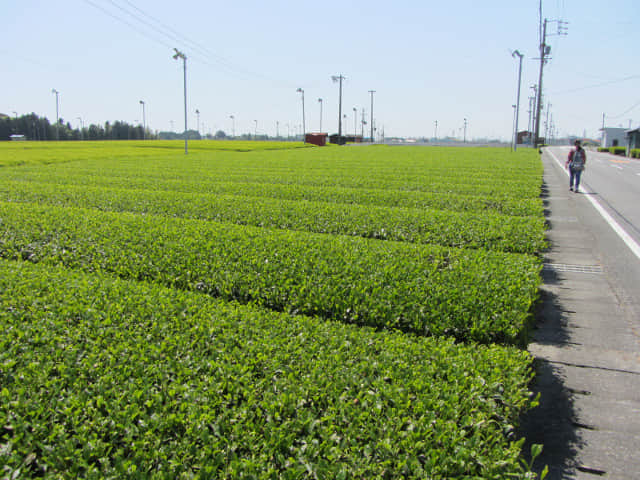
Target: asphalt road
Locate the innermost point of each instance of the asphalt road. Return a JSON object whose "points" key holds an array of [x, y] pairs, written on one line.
{"points": [[615, 180], [587, 335], [612, 187]]}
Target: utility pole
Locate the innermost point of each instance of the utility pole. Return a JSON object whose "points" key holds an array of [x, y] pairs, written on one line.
{"points": [[198, 121], [362, 125], [304, 139], [372, 92], [339, 78], [435, 133], [464, 138], [320, 102], [515, 142], [53, 90], [233, 126], [545, 50], [181, 55]]}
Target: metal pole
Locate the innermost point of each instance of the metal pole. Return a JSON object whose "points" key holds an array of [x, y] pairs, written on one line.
{"points": [[144, 121], [355, 123], [435, 136], [371, 118], [339, 78], [181, 55], [304, 129], [515, 143], [57, 114], [513, 130], [320, 102]]}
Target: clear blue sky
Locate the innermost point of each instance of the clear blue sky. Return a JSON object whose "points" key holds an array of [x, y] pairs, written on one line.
{"points": [[427, 61]]}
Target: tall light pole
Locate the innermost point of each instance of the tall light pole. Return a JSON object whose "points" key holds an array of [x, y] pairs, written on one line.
{"points": [[300, 90], [519, 55], [339, 78], [435, 133], [464, 138], [81, 128], [144, 121], [320, 102], [53, 90], [233, 126], [181, 55], [355, 123], [255, 131], [371, 117], [198, 120], [514, 131]]}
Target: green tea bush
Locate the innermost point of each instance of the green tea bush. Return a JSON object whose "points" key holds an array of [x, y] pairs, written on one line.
{"points": [[426, 289], [109, 378]]}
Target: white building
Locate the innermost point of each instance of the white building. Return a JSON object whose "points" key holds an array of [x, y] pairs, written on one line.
{"points": [[613, 137]]}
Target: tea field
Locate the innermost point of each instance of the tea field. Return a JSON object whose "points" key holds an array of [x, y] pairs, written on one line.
{"points": [[265, 310]]}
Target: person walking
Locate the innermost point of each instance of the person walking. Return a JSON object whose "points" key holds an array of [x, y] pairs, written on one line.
{"points": [[576, 165]]}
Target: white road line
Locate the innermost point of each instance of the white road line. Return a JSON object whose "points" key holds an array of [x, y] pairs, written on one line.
{"points": [[626, 238]]}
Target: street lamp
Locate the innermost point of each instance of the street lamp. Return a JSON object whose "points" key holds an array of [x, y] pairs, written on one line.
{"points": [[339, 78], [81, 128], [372, 92], [519, 55], [144, 121], [300, 90], [355, 123], [435, 134], [464, 138], [320, 102], [255, 130], [514, 132], [198, 121], [233, 126], [53, 90], [181, 55]]}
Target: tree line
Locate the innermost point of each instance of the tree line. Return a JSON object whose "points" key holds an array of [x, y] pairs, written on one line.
{"points": [[34, 127]]}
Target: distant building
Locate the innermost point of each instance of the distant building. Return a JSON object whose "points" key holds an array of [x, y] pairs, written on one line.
{"points": [[613, 137], [633, 139]]}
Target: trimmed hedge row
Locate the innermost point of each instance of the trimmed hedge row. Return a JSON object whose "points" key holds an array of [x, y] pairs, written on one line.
{"points": [[448, 228], [106, 378], [430, 290]]}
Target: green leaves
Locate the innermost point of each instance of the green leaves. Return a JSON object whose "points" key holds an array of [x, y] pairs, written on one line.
{"points": [[233, 390], [247, 313], [471, 294]]}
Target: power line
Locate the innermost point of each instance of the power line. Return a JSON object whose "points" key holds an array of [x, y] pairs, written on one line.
{"points": [[603, 84], [120, 19], [625, 112], [198, 52]]}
